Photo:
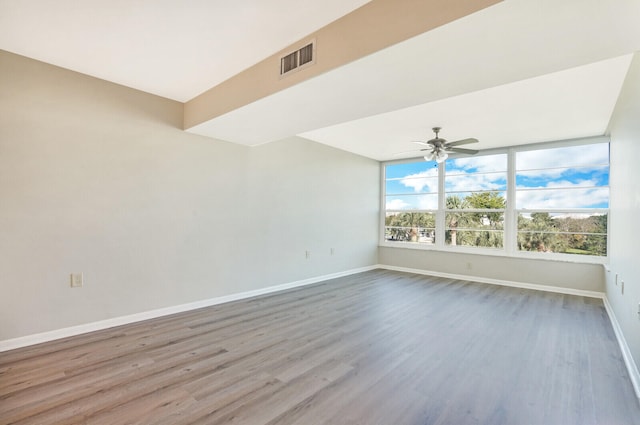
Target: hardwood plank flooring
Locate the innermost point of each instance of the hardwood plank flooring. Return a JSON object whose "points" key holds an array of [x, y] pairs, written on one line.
{"points": [[379, 347]]}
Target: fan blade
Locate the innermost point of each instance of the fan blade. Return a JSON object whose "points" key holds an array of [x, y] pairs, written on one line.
{"points": [[418, 142], [463, 150], [462, 142]]}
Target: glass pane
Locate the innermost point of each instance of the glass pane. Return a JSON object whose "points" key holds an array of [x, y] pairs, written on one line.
{"points": [[476, 182], [476, 200], [400, 171], [411, 178], [412, 184], [475, 229], [584, 234], [477, 164], [563, 177], [410, 227], [595, 154], [563, 198], [485, 239], [412, 202]]}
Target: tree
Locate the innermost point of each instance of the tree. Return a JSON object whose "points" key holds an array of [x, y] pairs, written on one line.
{"points": [[407, 226], [537, 233], [456, 218], [489, 201], [492, 221]]}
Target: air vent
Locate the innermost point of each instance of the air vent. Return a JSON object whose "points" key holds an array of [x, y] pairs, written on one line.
{"points": [[296, 60], [288, 63]]}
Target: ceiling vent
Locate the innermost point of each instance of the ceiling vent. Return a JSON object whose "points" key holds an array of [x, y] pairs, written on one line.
{"points": [[298, 59]]}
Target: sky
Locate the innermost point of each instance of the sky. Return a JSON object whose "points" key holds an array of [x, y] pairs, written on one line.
{"points": [[560, 178]]}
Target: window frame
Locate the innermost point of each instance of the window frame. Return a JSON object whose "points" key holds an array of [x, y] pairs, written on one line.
{"points": [[510, 247]]}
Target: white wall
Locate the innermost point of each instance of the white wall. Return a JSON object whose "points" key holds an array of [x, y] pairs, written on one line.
{"points": [[577, 276], [625, 210], [314, 205], [100, 179]]}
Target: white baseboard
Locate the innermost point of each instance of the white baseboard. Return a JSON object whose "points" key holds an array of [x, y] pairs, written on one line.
{"points": [[25, 341], [534, 286], [632, 368]]}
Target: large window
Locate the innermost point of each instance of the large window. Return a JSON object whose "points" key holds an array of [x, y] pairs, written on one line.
{"points": [[549, 199], [562, 199], [475, 200], [411, 202]]}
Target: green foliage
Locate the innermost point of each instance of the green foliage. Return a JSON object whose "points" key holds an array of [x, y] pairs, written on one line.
{"points": [[409, 226], [487, 226], [538, 232], [572, 235]]}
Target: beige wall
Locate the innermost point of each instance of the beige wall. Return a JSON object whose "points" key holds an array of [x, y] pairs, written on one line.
{"points": [[625, 210], [100, 179]]}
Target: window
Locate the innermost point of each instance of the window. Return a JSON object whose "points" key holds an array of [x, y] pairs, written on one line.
{"points": [[475, 200], [411, 202], [558, 207], [562, 199]]}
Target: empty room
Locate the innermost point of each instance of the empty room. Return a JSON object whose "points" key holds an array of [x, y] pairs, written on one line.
{"points": [[342, 212]]}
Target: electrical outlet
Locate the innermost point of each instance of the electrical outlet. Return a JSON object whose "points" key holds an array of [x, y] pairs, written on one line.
{"points": [[307, 254], [76, 280]]}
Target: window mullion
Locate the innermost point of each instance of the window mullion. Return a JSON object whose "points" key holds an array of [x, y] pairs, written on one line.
{"points": [[440, 215], [510, 216]]}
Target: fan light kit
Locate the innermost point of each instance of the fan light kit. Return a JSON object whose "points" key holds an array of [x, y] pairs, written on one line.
{"points": [[439, 149]]}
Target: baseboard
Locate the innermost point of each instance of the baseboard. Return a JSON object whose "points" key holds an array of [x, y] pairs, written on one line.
{"points": [[632, 368], [39, 338], [534, 286]]}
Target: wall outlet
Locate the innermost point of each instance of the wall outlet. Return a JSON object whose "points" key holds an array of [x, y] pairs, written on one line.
{"points": [[307, 254], [76, 280]]}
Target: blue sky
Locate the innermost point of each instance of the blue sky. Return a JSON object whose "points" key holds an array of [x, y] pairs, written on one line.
{"points": [[560, 178]]}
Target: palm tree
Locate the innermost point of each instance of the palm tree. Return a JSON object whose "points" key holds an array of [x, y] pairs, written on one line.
{"points": [[538, 233], [456, 218], [406, 226]]}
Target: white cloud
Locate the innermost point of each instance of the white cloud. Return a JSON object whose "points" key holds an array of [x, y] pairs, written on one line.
{"points": [[481, 164], [571, 198], [561, 184], [566, 183], [428, 203], [413, 202], [472, 182], [396, 204], [566, 157], [425, 179], [468, 174], [488, 173]]}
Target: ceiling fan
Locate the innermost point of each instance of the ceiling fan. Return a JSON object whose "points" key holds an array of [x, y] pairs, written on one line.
{"points": [[438, 149]]}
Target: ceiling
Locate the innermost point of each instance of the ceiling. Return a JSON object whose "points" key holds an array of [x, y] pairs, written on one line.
{"points": [[521, 71]]}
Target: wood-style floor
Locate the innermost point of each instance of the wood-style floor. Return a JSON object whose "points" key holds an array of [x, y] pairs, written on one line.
{"points": [[379, 347]]}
